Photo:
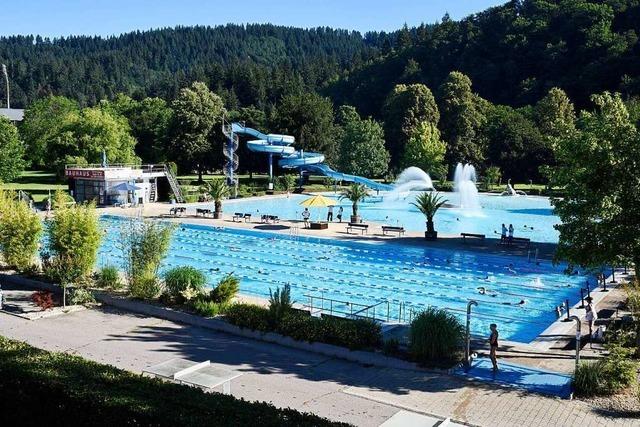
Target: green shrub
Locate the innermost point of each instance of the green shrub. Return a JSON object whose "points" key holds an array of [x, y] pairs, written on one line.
{"points": [[207, 308], [226, 289], [145, 245], [184, 281], [82, 392], [435, 334], [81, 296], [618, 371], [108, 277], [74, 235], [354, 334], [20, 231], [147, 287], [280, 303], [587, 379], [249, 316]]}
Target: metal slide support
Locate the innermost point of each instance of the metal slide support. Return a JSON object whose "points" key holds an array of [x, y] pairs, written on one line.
{"points": [[467, 344]]}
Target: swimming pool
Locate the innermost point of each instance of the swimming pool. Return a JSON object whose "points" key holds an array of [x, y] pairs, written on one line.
{"points": [[368, 273], [532, 217]]}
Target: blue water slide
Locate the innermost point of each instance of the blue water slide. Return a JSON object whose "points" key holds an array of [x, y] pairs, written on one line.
{"points": [[280, 145]]}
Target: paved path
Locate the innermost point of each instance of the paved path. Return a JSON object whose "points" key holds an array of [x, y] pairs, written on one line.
{"points": [[286, 377]]}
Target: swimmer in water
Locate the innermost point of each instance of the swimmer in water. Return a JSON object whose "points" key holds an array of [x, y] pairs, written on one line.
{"points": [[214, 269], [484, 291], [520, 303], [511, 270], [261, 271], [234, 249]]}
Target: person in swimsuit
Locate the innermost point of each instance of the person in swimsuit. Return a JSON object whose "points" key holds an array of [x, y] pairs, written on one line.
{"points": [[493, 343], [590, 316]]}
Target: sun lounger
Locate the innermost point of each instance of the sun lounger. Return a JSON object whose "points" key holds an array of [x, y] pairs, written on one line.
{"points": [[269, 218], [203, 212], [177, 210], [239, 215]]}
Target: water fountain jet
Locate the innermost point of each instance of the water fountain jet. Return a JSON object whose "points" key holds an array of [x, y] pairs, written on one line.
{"points": [[464, 184]]}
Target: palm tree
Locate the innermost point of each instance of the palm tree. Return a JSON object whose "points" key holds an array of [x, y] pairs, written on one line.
{"points": [[217, 190], [428, 204], [355, 193]]}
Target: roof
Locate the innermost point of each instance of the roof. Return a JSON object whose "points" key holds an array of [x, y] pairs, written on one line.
{"points": [[13, 114]]}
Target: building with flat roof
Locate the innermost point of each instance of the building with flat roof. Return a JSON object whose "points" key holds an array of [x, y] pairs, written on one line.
{"points": [[13, 114], [119, 184]]}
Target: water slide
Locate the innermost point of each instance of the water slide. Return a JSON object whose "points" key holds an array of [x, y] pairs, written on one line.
{"points": [[280, 145]]}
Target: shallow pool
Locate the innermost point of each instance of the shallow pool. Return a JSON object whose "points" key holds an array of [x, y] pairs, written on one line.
{"points": [[532, 217], [413, 277]]}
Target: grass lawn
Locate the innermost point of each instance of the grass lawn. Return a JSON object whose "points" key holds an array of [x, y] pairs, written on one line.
{"points": [[36, 183], [38, 387]]}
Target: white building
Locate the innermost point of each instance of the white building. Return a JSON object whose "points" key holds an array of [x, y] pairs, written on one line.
{"points": [[107, 185]]}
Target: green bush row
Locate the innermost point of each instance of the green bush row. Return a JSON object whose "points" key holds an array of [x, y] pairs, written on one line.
{"points": [[43, 388], [358, 334]]}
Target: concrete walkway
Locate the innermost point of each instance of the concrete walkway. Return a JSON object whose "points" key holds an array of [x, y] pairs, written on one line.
{"points": [[340, 390]]}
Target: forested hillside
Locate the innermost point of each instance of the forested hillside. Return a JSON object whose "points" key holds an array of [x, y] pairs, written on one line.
{"points": [[513, 54], [497, 89], [252, 64]]}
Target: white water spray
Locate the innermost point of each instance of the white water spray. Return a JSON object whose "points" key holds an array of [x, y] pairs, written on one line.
{"points": [[412, 178], [464, 184]]}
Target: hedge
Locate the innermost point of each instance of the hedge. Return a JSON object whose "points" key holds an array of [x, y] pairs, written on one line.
{"points": [[38, 387], [360, 334]]}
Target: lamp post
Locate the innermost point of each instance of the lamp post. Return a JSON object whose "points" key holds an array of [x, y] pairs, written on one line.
{"points": [[467, 344], [6, 79]]}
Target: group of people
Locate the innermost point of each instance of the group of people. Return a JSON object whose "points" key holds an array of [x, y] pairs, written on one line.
{"points": [[306, 215], [507, 233]]}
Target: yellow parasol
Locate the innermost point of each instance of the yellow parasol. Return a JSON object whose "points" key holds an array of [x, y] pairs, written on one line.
{"points": [[318, 201]]}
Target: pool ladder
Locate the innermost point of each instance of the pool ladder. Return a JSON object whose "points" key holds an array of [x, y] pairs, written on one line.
{"points": [[294, 233]]}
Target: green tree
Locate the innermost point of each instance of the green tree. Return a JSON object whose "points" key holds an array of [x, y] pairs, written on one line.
{"points": [[43, 123], [20, 231], [555, 114], [197, 113], [309, 118], [362, 150], [12, 152], [600, 212], [515, 144], [491, 176], [150, 121], [426, 150], [462, 117], [405, 108]]}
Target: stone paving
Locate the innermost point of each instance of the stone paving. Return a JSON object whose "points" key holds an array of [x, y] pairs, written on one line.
{"points": [[329, 387]]}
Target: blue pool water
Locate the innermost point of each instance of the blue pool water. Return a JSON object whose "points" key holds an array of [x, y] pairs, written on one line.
{"points": [[535, 213], [367, 273]]}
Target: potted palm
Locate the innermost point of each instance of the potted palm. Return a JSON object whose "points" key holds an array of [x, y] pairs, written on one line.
{"points": [[428, 204], [217, 190], [355, 193]]}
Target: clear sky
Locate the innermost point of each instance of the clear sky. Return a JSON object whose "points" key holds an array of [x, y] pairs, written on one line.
{"points": [[105, 17]]}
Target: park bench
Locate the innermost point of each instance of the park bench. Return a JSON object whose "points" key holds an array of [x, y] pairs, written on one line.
{"points": [[524, 241], [472, 235], [394, 229], [357, 226]]}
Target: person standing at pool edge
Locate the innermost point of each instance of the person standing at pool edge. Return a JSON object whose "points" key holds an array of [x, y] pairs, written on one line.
{"points": [[503, 236], [493, 343], [330, 214], [340, 210], [305, 216], [510, 233]]}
